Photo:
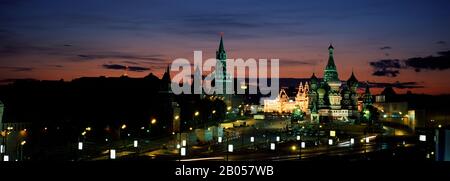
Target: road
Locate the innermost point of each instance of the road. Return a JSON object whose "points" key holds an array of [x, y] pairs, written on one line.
{"points": [[264, 133]]}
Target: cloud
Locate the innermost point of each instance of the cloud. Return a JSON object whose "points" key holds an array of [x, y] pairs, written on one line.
{"points": [[386, 67], [291, 62], [399, 85], [130, 62], [17, 69], [385, 48], [441, 42], [392, 67], [57, 66], [387, 73], [440, 62], [387, 63], [123, 67], [147, 58], [13, 48]]}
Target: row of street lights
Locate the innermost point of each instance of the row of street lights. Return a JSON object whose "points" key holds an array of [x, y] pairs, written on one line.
{"points": [[20, 145]]}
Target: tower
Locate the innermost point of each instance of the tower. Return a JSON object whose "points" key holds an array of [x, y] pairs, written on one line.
{"points": [[167, 103], [352, 84], [331, 78], [313, 99], [222, 78], [367, 98], [312, 94], [330, 70]]}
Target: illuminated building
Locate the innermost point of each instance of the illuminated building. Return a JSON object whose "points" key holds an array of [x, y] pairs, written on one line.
{"points": [[326, 99], [223, 79], [283, 104]]}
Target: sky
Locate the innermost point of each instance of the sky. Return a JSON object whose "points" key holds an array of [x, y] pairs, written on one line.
{"points": [[403, 43]]}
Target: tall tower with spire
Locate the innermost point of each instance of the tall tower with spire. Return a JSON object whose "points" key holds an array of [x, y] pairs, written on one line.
{"points": [[352, 84], [168, 104], [330, 73], [331, 78], [367, 97], [222, 77]]}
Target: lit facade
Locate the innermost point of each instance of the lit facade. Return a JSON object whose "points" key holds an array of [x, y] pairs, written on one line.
{"points": [[283, 104], [323, 99]]}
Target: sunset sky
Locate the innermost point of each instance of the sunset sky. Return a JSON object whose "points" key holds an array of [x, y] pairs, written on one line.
{"points": [[47, 39]]}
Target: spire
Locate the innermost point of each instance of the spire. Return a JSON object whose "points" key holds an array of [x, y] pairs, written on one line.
{"points": [[367, 88], [330, 47], [220, 53], [330, 73], [168, 69], [367, 99], [221, 48], [166, 75], [314, 75], [331, 64], [314, 78], [352, 79]]}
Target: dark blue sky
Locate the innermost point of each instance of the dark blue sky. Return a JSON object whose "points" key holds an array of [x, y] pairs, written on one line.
{"points": [[49, 39]]}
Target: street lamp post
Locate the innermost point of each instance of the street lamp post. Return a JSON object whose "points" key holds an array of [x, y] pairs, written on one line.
{"points": [[300, 148]]}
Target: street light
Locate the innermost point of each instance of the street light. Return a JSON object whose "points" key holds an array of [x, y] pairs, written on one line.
{"points": [[293, 148], [196, 113], [219, 139], [88, 129], [352, 141], [272, 146], [252, 139], [214, 111], [5, 158], [183, 143], [80, 145], [112, 154], [330, 141], [230, 148], [153, 121], [183, 151], [367, 140], [278, 139], [135, 143], [124, 126], [298, 138], [2, 148], [332, 133], [422, 138], [303, 145]]}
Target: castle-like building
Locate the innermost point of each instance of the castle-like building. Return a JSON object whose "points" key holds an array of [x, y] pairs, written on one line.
{"points": [[326, 99]]}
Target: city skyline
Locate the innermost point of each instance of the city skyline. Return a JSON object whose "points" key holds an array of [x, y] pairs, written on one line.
{"points": [[377, 40]]}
